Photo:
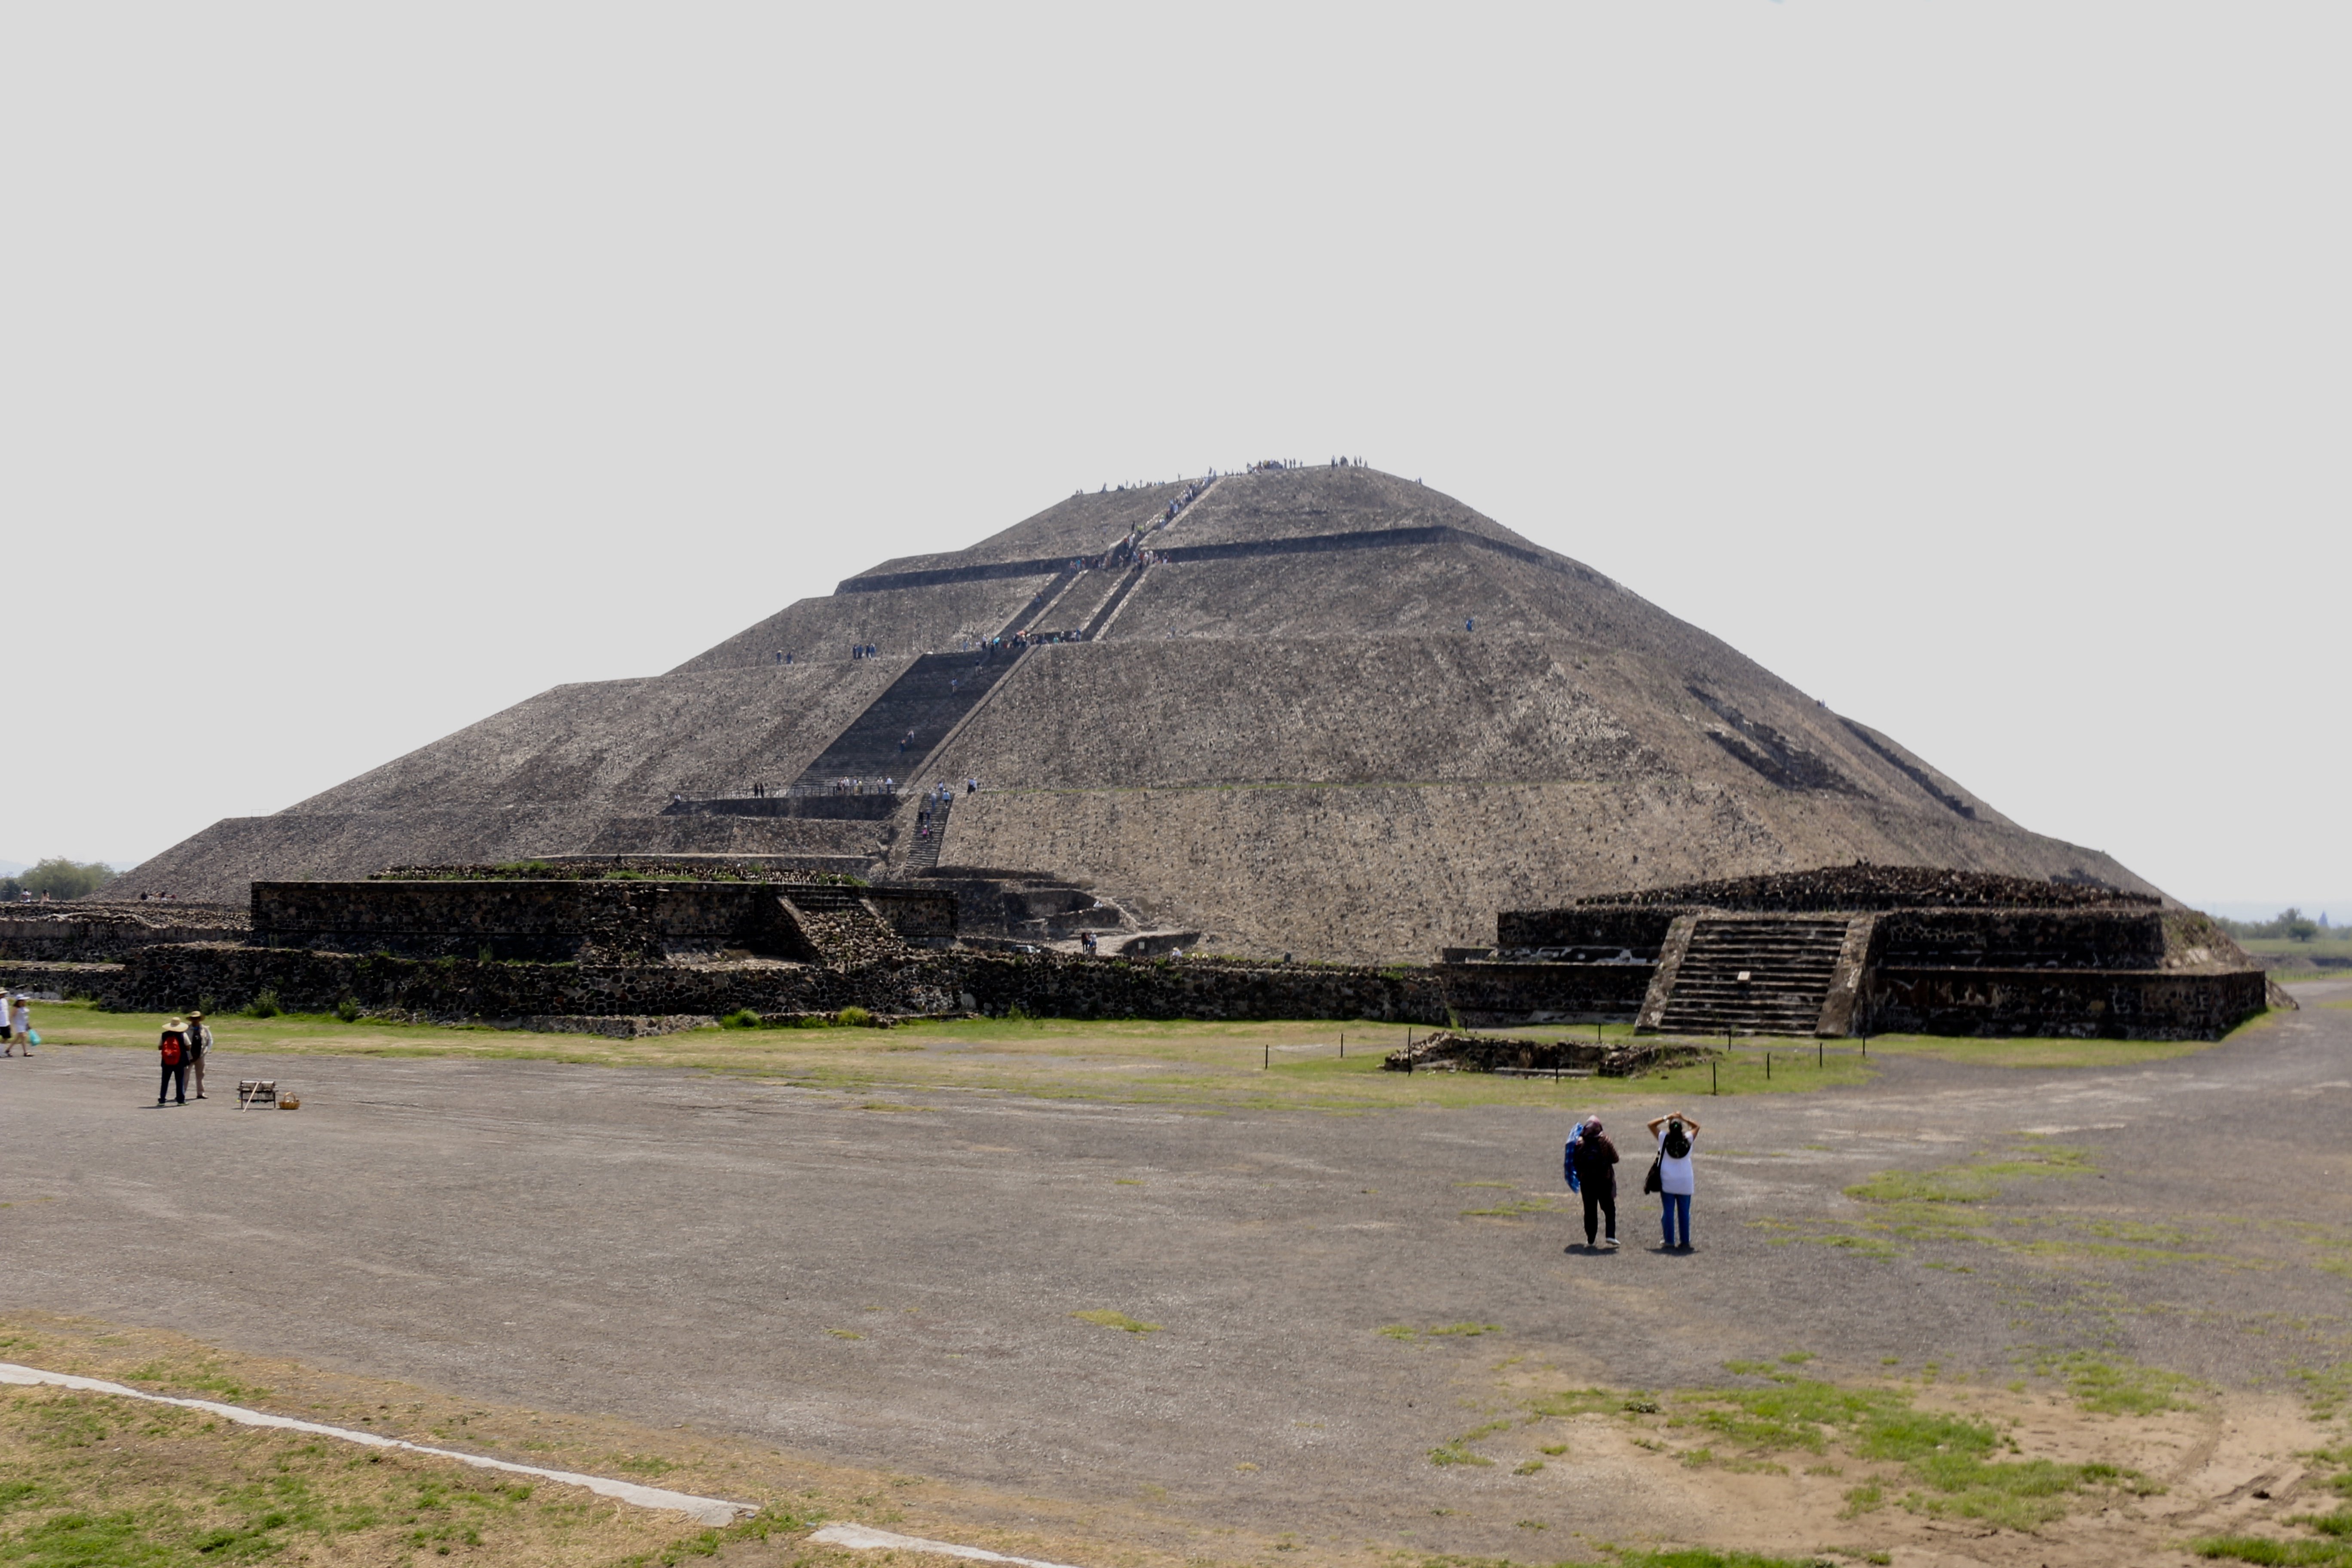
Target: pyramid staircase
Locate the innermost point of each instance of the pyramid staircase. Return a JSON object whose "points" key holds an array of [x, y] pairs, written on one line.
{"points": [[931, 697], [922, 853], [1754, 976]]}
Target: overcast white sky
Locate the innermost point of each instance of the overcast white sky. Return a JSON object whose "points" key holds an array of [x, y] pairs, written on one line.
{"points": [[1980, 368]]}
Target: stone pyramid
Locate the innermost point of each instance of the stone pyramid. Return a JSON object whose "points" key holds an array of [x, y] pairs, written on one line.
{"points": [[1326, 712]]}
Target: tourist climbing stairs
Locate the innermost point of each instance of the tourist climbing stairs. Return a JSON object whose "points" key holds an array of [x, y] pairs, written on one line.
{"points": [[1754, 976], [1106, 611], [923, 848]]}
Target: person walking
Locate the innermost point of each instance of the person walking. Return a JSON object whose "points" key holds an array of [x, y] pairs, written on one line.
{"points": [[200, 1045], [173, 1048], [1676, 1134], [1595, 1160], [20, 1021]]}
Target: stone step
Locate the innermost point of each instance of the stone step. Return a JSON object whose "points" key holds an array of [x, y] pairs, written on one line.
{"points": [[922, 853], [1790, 966], [935, 693]]}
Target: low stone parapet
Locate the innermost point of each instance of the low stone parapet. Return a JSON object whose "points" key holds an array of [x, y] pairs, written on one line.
{"points": [[2124, 1005]]}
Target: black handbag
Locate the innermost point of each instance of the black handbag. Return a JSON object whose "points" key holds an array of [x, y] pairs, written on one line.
{"points": [[1656, 1181]]}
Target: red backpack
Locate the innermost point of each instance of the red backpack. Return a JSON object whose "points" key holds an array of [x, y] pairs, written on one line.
{"points": [[172, 1044]]}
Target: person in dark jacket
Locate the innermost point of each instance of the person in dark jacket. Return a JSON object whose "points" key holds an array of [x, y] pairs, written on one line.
{"points": [[1596, 1178]]}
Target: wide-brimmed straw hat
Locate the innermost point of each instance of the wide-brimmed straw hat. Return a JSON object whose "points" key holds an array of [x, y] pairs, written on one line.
{"points": [[177, 1023]]}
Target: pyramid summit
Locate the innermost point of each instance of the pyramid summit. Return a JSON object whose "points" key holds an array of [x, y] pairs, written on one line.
{"points": [[1320, 710]]}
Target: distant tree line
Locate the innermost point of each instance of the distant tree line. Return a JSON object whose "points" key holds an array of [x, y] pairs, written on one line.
{"points": [[2288, 923], [57, 878]]}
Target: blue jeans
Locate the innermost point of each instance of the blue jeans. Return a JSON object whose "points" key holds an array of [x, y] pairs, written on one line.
{"points": [[1677, 1204]]}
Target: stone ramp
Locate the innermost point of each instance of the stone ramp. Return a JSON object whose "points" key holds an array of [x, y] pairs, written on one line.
{"points": [[923, 847], [929, 700], [1755, 976]]}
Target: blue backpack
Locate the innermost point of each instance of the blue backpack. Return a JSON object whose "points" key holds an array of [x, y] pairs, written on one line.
{"points": [[1568, 1158]]}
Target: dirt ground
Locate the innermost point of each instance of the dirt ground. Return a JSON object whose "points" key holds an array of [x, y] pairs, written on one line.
{"points": [[1306, 1332]]}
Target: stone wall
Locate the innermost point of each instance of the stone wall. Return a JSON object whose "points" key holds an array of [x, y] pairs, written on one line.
{"points": [[1862, 888], [1639, 930], [1479, 996], [1041, 985], [2030, 939], [1484, 1053], [2141, 1005], [608, 921], [457, 989], [72, 982], [89, 932]]}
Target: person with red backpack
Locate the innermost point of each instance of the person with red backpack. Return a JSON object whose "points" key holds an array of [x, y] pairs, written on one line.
{"points": [[173, 1047]]}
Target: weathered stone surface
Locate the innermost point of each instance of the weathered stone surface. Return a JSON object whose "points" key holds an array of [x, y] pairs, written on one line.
{"points": [[1863, 886], [92, 932], [1284, 736], [598, 919], [2147, 1005], [1841, 950], [923, 983], [1484, 1053]]}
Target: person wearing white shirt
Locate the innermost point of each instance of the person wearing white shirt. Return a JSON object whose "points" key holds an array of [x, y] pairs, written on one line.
{"points": [[1676, 1134]]}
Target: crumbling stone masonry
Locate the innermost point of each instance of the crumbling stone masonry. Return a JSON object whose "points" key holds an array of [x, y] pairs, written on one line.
{"points": [[1827, 952], [1877, 950]]}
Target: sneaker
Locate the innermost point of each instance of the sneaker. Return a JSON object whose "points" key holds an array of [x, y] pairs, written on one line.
{"points": [[1610, 1244]]}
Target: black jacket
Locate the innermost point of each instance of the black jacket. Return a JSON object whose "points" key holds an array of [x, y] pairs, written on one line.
{"points": [[1596, 1165]]}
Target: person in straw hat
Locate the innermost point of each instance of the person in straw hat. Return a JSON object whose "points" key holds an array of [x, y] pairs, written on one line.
{"points": [[199, 1046], [173, 1048]]}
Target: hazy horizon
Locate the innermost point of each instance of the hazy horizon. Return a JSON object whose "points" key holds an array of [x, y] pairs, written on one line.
{"points": [[1971, 368]]}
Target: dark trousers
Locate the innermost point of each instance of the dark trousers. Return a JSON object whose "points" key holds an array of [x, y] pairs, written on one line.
{"points": [[1596, 1205], [170, 1075]]}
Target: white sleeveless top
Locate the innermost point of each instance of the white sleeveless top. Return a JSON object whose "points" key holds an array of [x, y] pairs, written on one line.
{"points": [[1674, 1175]]}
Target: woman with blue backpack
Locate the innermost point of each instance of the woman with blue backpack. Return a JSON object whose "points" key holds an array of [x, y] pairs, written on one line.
{"points": [[1591, 1171]]}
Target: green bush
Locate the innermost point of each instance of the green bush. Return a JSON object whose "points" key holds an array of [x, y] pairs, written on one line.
{"points": [[62, 878], [854, 1018], [265, 1005], [348, 1009], [742, 1018]]}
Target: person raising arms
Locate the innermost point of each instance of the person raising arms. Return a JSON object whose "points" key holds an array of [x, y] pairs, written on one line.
{"points": [[1676, 1134]]}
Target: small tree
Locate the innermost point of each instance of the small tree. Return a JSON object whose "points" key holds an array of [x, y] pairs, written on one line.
{"points": [[59, 877]]}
